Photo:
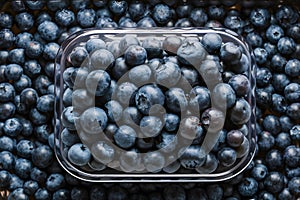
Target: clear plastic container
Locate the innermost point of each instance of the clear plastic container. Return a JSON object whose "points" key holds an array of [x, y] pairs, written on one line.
{"points": [[208, 165]]}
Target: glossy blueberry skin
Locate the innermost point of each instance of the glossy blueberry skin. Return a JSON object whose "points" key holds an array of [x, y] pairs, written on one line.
{"points": [[16, 56], [295, 132], [146, 22], [102, 80], [259, 172], [86, 17], [147, 96], [137, 10], [278, 63], [227, 156], [190, 74], [234, 138], [286, 15], [280, 81], [7, 160], [274, 33], [135, 55], [171, 122], [7, 38], [271, 123], [292, 68], [32, 68], [254, 39], [3, 59], [18, 194], [45, 103], [13, 72], [198, 16], [15, 182], [79, 154], [279, 103], [176, 100], [161, 13], [241, 112], [34, 49], [30, 187], [260, 17], [126, 22], [5, 178], [94, 44], [64, 17], [274, 182], [233, 22], [7, 92], [25, 148], [293, 186], [106, 22], [212, 42], [23, 167], [93, 120], [292, 92], [293, 31], [42, 132], [261, 55], [125, 137], [48, 30], [248, 187], [117, 7], [230, 53], [6, 20], [291, 156], [223, 94], [293, 111], [274, 159], [55, 181], [50, 51], [38, 175], [131, 116], [42, 156], [78, 55], [216, 12], [7, 109], [12, 127], [24, 21], [286, 45]]}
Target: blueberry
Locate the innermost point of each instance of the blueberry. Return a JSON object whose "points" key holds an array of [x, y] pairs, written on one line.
{"points": [[198, 16], [93, 120], [254, 39], [43, 16], [38, 175], [130, 161], [137, 10], [3, 59], [126, 22], [147, 96], [151, 126], [102, 80], [131, 116], [248, 187], [5, 178], [293, 111], [233, 22], [64, 17], [216, 12], [42, 132], [42, 156], [292, 68], [280, 81], [191, 53], [171, 44], [24, 21], [12, 127], [212, 42], [153, 47], [86, 17], [135, 55], [50, 51], [78, 55], [292, 92], [48, 30], [285, 194], [259, 172], [140, 74], [79, 4], [30, 187], [125, 136], [167, 74], [118, 7], [7, 92], [286, 15], [192, 157], [295, 133], [114, 110], [23, 167], [62, 194], [223, 95], [274, 33], [25, 148], [293, 186], [274, 159], [13, 72], [94, 44], [230, 53], [291, 156], [271, 123], [293, 31], [32, 68], [286, 45], [274, 182], [7, 160], [176, 100], [190, 128], [55, 182], [161, 13], [260, 17], [173, 191], [103, 152], [15, 182], [79, 154], [125, 93], [261, 55], [106, 22], [101, 59], [18, 194], [45, 103], [171, 122], [154, 161], [42, 194], [78, 193], [6, 20], [81, 100], [146, 22], [278, 63], [227, 156], [7, 38]]}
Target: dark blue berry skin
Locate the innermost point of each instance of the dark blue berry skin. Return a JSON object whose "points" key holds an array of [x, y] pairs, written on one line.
{"points": [[61, 194], [50, 51], [271, 124], [266, 141], [198, 17], [293, 186], [278, 63], [223, 95], [216, 12], [29, 97], [260, 17], [146, 22], [279, 103], [42, 156], [161, 13], [7, 110], [13, 72], [41, 84], [35, 5], [248, 187], [240, 84], [12, 127], [292, 92], [286, 15], [38, 175], [30, 187], [48, 30], [286, 45], [78, 55], [94, 44], [274, 33], [7, 92], [263, 98], [295, 133], [280, 81], [22, 83], [15, 182], [102, 80], [37, 117], [118, 7], [125, 137], [292, 68], [80, 4], [3, 58], [176, 100], [171, 122], [23, 168], [274, 182], [25, 148], [86, 17], [274, 159], [79, 154], [285, 194], [32, 68], [103, 12], [291, 156], [136, 10], [233, 22], [42, 16], [64, 17], [135, 55], [212, 42], [254, 39], [259, 172], [293, 31], [24, 21], [7, 38], [6, 20], [227, 156], [49, 69], [17, 56], [34, 49], [18, 194], [230, 53], [7, 160], [55, 182], [293, 111], [5, 178], [261, 55], [106, 22]]}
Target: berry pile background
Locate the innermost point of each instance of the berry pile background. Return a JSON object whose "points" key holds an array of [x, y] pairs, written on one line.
{"points": [[26, 134]]}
